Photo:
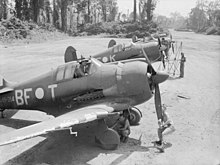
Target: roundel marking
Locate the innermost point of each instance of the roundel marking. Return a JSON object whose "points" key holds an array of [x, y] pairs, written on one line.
{"points": [[39, 93], [105, 59]]}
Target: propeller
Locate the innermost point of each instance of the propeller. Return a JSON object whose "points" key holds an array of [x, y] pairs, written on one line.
{"points": [[156, 78], [161, 48]]}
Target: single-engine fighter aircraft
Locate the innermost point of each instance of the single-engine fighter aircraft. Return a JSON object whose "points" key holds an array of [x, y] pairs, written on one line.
{"points": [[121, 52], [79, 92], [165, 41]]}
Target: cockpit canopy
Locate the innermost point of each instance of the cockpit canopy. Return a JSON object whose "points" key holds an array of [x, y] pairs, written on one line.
{"points": [[118, 48], [77, 69]]}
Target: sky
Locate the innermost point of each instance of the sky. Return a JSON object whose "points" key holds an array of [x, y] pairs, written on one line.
{"points": [[163, 7]]}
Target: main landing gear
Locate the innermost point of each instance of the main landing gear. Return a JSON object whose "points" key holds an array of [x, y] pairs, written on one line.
{"points": [[106, 138], [135, 116]]}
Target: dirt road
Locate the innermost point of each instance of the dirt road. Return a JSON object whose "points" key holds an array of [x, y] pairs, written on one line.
{"points": [[193, 103]]}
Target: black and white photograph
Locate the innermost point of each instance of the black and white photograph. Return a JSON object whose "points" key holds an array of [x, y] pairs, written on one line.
{"points": [[110, 82]]}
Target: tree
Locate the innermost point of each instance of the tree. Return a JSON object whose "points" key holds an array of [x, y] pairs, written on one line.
{"points": [[146, 8], [124, 17], [113, 10], [216, 19], [197, 19], [177, 20], [119, 16], [80, 6], [103, 4], [108, 8], [23, 9], [163, 21], [212, 10], [150, 7]]}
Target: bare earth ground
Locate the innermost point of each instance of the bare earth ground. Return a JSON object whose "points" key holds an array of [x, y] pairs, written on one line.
{"points": [[196, 117]]}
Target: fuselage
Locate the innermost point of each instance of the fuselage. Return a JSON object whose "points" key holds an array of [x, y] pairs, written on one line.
{"points": [[121, 52], [64, 89]]}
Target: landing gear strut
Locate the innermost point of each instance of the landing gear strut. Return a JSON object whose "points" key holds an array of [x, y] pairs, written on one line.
{"points": [[2, 113], [106, 138]]}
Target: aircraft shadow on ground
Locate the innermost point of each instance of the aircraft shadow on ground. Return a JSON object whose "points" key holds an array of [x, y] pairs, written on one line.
{"points": [[174, 78], [16, 123], [62, 148], [9, 113], [134, 145]]}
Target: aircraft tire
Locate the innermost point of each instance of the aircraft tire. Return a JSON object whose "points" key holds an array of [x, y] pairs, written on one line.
{"points": [[108, 140], [135, 116]]}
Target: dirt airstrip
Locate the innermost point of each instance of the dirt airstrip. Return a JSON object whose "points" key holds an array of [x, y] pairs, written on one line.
{"points": [[193, 103]]}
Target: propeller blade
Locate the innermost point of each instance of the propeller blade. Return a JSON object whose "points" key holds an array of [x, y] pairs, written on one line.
{"points": [[146, 57], [157, 100], [159, 42], [158, 78], [172, 47]]}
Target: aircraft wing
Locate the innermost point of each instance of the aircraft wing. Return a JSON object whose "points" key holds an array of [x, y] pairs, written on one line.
{"points": [[82, 115]]}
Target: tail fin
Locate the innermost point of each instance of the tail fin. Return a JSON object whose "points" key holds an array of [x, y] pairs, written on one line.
{"points": [[111, 43], [5, 86], [70, 54]]}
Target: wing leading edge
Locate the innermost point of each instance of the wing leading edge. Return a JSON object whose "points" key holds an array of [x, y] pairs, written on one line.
{"points": [[82, 115]]}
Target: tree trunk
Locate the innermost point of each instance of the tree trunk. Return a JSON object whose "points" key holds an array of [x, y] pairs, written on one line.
{"points": [[5, 9], [55, 14], [77, 20], [149, 5], [89, 3], [41, 12], [135, 11], [48, 11], [104, 13], [35, 9], [18, 6], [64, 15], [26, 11]]}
